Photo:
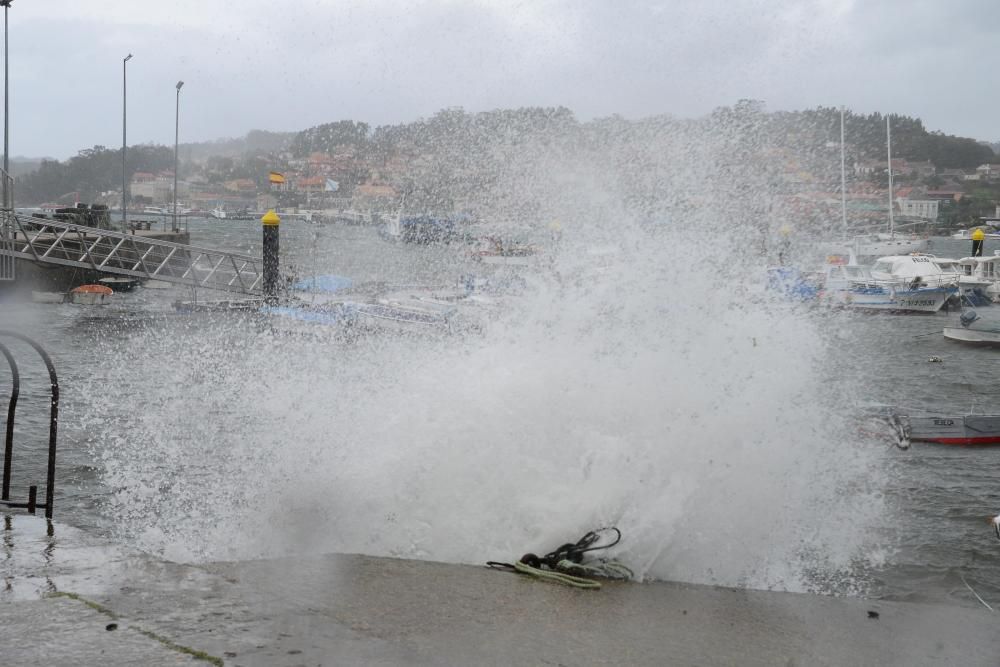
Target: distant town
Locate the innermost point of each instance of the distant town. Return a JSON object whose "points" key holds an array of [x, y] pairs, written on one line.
{"points": [[449, 162]]}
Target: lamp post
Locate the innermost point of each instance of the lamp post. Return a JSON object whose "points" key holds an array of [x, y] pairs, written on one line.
{"points": [[177, 131], [124, 172], [7, 194]]}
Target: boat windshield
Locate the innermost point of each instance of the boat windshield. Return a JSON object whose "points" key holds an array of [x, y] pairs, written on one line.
{"points": [[856, 272], [948, 268]]}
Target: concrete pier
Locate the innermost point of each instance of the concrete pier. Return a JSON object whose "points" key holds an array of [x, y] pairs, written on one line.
{"points": [[62, 592]]}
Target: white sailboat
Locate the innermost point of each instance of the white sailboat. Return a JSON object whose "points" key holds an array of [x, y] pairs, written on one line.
{"points": [[880, 244]]}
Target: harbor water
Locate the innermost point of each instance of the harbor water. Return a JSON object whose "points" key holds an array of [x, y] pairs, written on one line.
{"points": [[714, 426]]}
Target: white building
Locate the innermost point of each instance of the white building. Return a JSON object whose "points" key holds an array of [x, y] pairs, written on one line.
{"points": [[159, 189], [918, 208]]}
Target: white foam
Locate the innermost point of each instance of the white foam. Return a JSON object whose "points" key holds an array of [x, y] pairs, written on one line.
{"points": [[654, 388]]}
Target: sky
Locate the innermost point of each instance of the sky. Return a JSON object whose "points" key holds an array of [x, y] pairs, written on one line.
{"points": [[286, 66]]}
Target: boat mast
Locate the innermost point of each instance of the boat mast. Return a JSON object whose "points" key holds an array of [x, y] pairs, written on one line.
{"points": [[843, 178], [888, 147]]}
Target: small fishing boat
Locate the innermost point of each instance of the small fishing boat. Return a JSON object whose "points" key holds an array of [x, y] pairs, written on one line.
{"points": [[91, 295], [975, 329], [956, 430]]}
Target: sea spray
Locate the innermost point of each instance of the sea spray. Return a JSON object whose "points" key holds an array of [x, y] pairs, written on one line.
{"points": [[644, 379]]}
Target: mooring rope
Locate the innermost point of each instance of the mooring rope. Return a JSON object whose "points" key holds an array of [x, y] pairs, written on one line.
{"points": [[565, 565]]}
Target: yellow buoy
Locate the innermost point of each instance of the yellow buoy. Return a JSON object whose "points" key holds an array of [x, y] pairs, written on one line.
{"points": [[978, 235]]}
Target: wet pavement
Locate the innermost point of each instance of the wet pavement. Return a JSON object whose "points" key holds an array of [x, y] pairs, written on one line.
{"points": [[345, 609]]}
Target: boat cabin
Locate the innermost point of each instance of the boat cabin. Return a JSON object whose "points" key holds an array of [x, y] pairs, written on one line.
{"points": [[916, 268]]}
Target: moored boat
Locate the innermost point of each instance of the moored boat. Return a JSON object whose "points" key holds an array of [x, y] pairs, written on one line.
{"points": [[956, 430], [975, 329], [898, 283], [986, 270], [90, 295]]}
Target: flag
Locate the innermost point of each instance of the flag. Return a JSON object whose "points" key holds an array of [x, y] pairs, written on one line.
{"points": [[331, 185], [275, 177]]}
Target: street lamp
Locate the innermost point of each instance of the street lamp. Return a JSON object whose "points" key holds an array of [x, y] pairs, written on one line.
{"points": [[124, 173], [177, 130], [8, 198]]}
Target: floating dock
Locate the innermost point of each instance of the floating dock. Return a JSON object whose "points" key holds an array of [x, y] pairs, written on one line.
{"points": [[70, 599]]}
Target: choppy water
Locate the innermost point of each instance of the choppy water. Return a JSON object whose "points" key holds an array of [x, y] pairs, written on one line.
{"points": [[711, 426]]}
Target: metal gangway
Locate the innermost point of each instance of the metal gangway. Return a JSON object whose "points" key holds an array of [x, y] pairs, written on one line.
{"points": [[57, 242]]}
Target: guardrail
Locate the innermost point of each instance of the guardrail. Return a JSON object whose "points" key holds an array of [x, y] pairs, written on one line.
{"points": [[8, 454]]}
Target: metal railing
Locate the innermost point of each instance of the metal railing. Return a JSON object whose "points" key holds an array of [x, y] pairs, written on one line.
{"points": [[8, 453], [134, 255]]}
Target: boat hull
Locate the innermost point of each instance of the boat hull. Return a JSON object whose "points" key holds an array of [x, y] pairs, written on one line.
{"points": [[969, 335], [89, 298], [900, 300], [965, 430]]}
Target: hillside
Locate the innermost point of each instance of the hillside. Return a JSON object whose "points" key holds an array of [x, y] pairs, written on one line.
{"points": [[453, 159]]}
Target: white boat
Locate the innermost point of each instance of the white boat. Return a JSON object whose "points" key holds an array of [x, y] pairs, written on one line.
{"points": [[984, 269], [972, 287], [218, 213], [900, 283], [975, 329], [154, 210]]}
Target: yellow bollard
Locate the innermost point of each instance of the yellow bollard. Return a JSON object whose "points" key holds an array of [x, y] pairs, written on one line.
{"points": [[270, 222]]}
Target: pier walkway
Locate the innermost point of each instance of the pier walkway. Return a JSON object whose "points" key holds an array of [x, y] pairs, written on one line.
{"points": [[65, 589], [139, 254]]}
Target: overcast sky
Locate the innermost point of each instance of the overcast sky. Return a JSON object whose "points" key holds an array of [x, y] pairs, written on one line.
{"points": [[256, 64]]}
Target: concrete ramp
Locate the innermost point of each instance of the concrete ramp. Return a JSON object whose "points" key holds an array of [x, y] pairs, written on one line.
{"points": [[356, 610]]}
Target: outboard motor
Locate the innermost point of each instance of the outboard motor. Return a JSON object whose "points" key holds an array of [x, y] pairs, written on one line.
{"points": [[968, 317]]}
